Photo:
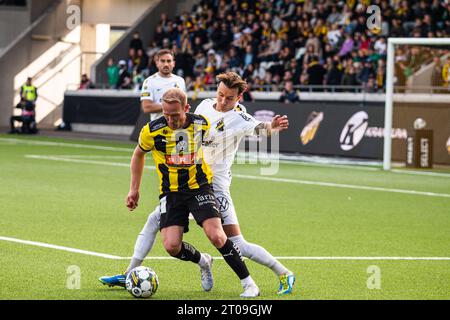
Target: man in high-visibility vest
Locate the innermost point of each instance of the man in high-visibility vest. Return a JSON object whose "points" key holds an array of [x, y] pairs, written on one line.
{"points": [[28, 96], [446, 73]]}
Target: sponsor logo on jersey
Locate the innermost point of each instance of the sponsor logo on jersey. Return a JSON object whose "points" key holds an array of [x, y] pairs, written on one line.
{"points": [[244, 116], [182, 145], [145, 94], [210, 143], [220, 125], [180, 160], [199, 122], [156, 126], [354, 130], [312, 125]]}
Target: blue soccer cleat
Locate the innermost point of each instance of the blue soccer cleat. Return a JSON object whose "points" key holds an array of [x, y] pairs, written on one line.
{"points": [[286, 283], [113, 281]]}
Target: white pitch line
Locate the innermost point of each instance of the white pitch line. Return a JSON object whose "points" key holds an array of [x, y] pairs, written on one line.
{"points": [[84, 156], [288, 162], [112, 257], [63, 144], [62, 248], [272, 179], [306, 163], [328, 258], [365, 258], [318, 161], [424, 173], [61, 158], [340, 185]]}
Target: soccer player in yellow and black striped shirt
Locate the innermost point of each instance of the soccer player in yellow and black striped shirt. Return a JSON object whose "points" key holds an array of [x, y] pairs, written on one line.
{"points": [[185, 185], [177, 153]]}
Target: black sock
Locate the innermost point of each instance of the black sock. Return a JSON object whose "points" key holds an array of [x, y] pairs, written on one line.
{"points": [[188, 253], [233, 257]]}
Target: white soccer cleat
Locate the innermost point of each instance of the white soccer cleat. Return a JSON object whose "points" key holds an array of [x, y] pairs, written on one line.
{"points": [[250, 291], [206, 273]]}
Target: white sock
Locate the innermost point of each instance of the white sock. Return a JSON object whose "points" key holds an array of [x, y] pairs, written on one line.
{"points": [[146, 239], [259, 254], [203, 262], [133, 264], [247, 282]]}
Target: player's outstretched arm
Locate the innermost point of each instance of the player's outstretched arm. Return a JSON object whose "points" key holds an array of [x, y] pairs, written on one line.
{"points": [[278, 123], [136, 168], [148, 106]]}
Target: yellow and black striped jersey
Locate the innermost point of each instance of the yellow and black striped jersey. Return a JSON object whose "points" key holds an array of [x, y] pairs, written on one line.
{"points": [[178, 153]]}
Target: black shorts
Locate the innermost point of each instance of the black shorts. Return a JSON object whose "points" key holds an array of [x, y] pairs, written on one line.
{"points": [[176, 206]]}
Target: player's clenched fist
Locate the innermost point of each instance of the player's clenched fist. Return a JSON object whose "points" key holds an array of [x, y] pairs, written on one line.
{"points": [[132, 200], [280, 123]]}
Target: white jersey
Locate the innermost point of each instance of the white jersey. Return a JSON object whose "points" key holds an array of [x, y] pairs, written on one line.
{"points": [[222, 141], [155, 86]]}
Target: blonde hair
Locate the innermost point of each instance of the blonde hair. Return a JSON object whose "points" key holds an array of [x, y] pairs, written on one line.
{"points": [[162, 52], [233, 81], [175, 95]]}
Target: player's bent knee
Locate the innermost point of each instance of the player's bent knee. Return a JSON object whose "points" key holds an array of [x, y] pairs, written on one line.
{"points": [[172, 248], [173, 251], [217, 238], [214, 232]]}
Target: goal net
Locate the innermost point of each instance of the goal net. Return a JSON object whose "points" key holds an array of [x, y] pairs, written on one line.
{"points": [[417, 106]]}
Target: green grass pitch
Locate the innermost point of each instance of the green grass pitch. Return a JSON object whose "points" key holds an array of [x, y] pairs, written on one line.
{"points": [[63, 192]]}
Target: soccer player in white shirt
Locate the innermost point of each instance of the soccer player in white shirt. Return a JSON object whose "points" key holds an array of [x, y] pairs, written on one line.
{"points": [[229, 124], [157, 84]]}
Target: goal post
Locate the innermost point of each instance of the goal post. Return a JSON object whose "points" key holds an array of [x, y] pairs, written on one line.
{"points": [[389, 101]]}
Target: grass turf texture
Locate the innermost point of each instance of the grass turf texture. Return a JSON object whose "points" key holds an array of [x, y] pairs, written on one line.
{"points": [[81, 205]]}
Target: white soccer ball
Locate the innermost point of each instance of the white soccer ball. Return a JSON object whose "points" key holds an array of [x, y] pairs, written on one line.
{"points": [[419, 123], [142, 282]]}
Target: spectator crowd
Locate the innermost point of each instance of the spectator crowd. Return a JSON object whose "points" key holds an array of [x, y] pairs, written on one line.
{"points": [[279, 44]]}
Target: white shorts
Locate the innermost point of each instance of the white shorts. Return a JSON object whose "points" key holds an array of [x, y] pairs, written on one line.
{"points": [[221, 185], [226, 206]]}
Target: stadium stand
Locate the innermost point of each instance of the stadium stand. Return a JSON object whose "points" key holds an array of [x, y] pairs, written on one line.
{"points": [[304, 42]]}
